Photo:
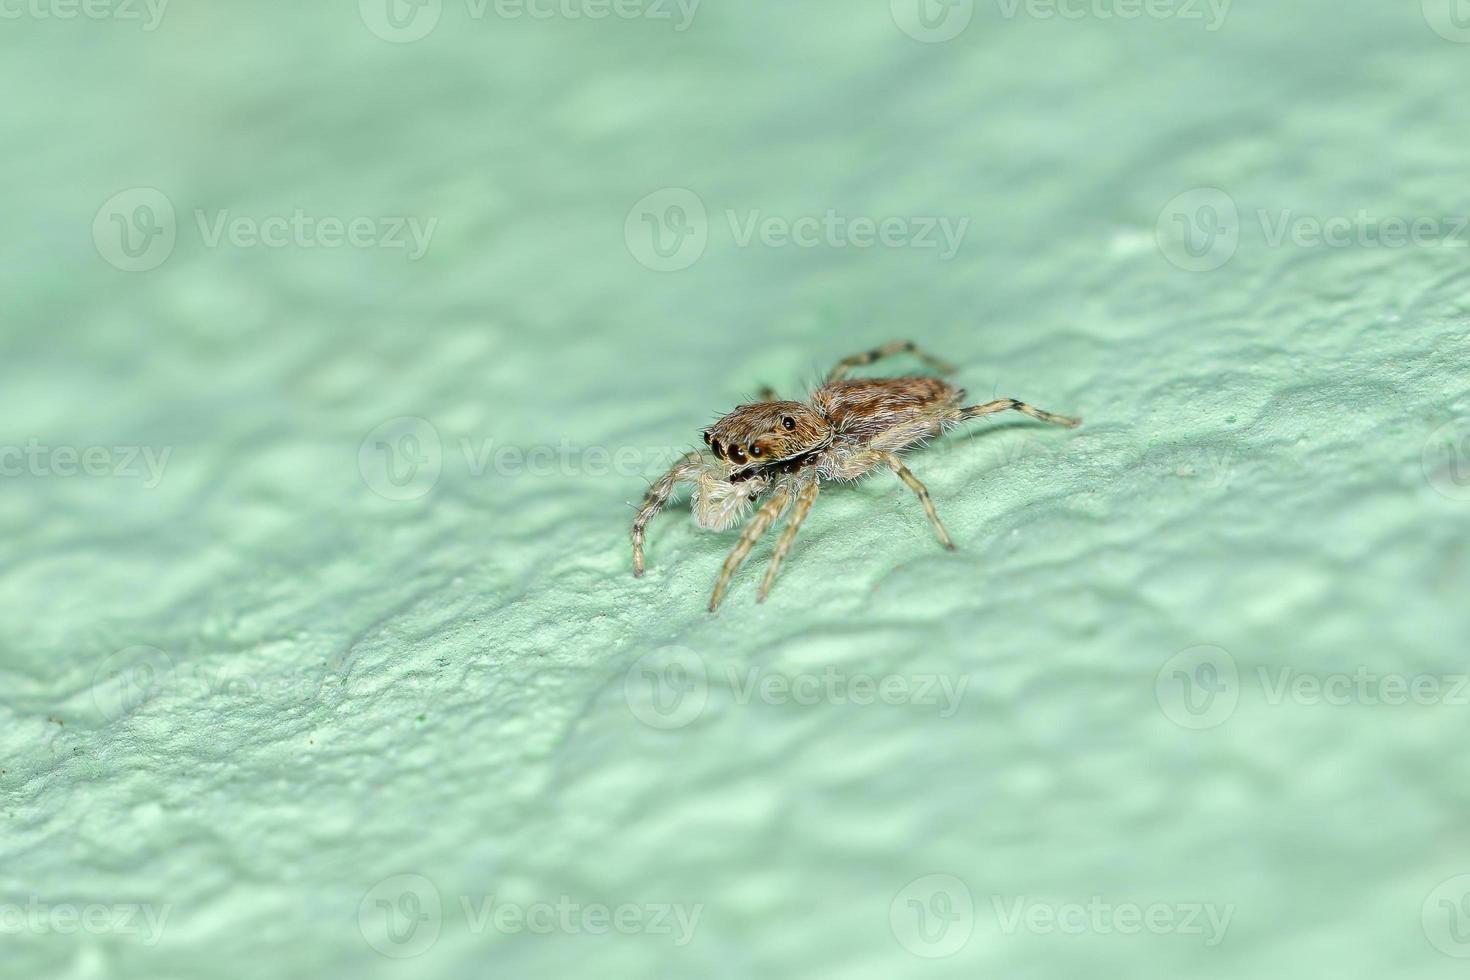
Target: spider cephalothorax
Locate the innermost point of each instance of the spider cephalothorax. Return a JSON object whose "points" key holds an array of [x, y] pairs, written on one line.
{"points": [[783, 450], [766, 432]]}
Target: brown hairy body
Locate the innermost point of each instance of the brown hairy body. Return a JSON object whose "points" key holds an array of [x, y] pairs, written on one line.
{"points": [[783, 450]]}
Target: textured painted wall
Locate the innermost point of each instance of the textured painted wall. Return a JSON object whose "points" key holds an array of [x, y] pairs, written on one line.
{"points": [[336, 346]]}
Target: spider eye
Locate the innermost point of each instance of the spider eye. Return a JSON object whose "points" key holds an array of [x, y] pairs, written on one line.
{"points": [[755, 449], [706, 437], [788, 423], [736, 454], [714, 446]]}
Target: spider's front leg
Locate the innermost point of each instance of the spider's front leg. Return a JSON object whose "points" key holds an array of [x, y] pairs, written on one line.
{"points": [[759, 524], [805, 497], [685, 470]]}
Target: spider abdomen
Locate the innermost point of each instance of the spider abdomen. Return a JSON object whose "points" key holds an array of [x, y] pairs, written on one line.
{"points": [[888, 413]]}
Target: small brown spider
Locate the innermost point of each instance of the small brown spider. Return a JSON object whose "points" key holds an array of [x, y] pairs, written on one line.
{"points": [[785, 449]]}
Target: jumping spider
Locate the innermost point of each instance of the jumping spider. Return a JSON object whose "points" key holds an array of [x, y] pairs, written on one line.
{"points": [[783, 450]]}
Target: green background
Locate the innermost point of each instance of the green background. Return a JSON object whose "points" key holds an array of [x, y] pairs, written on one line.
{"points": [[255, 690]]}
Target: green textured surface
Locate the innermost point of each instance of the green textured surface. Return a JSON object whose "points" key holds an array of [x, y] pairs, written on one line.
{"points": [[251, 692]]}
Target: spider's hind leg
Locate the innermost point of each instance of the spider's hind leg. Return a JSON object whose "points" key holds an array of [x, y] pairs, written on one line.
{"points": [[907, 476], [1007, 404], [888, 350]]}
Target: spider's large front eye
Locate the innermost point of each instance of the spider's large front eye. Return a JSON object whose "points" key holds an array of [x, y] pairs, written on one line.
{"points": [[737, 455], [788, 423]]}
